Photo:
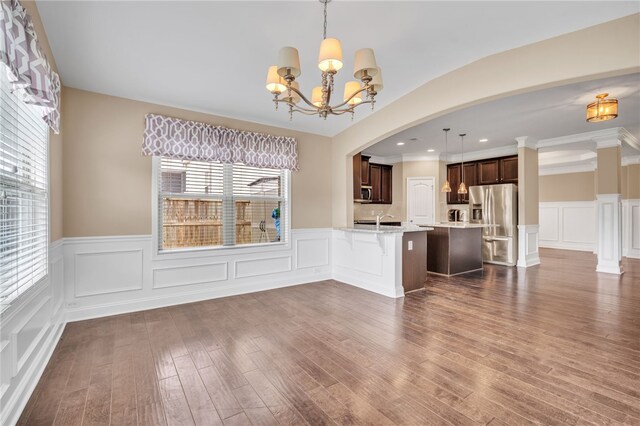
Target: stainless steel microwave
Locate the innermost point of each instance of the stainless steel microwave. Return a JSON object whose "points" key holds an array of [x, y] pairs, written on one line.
{"points": [[365, 194]]}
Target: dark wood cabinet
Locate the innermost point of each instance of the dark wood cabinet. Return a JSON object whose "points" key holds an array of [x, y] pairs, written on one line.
{"points": [[509, 170], [483, 172], [386, 183], [470, 178], [488, 172], [381, 180], [454, 175], [375, 173], [357, 176], [364, 170]]}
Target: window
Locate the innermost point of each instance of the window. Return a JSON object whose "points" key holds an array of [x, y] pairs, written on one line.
{"points": [[24, 236], [207, 204]]}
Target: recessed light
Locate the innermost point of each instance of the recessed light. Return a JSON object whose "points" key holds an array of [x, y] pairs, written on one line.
{"points": [[484, 140], [400, 143], [430, 150]]}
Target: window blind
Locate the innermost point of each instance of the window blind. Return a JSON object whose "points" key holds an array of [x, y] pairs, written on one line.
{"points": [[24, 238], [209, 204]]}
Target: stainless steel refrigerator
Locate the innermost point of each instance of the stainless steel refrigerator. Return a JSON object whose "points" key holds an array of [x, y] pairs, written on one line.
{"points": [[497, 207]]}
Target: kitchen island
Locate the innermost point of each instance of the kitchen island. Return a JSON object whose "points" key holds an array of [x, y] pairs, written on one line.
{"points": [[387, 260], [455, 248]]}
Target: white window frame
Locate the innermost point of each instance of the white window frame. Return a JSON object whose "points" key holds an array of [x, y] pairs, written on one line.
{"points": [[7, 310], [200, 252]]}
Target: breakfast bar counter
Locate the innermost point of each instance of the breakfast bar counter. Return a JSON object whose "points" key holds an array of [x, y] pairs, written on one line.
{"points": [[388, 260]]}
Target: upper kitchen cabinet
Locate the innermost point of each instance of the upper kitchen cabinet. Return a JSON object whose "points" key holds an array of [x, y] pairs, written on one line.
{"points": [[488, 172], [381, 180], [483, 172], [357, 176], [509, 170], [364, 170]]}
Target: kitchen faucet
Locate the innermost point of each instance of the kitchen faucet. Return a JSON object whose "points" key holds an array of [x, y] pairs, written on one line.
{"points": [[380, 217]]}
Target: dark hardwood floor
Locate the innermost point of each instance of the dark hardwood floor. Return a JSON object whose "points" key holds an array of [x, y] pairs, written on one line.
{"points": [[556, 344]]}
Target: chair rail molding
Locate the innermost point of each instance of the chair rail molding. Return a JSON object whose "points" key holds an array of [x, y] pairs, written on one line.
{"points": [[609, 214]]}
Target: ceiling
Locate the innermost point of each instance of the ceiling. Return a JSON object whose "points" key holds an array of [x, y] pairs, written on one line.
{"points": [[543, 114], [213, 56]]}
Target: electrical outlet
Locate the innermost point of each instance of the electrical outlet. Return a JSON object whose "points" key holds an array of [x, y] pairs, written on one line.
{"points": [[410, 245]]}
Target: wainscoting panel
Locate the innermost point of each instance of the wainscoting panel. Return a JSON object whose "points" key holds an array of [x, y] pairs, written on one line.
{"points": [[631, 228], [568, 225], [312, 252], [95, 286], [102, 272], [31, 327], [174, 276]]}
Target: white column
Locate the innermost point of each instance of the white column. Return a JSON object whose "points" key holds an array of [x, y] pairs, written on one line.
{"points": [[609, 205], [528, 205], [609, 233]]}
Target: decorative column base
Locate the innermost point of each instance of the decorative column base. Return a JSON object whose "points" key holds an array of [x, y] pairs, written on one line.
{"points": [[609, 233], [528, 254]]}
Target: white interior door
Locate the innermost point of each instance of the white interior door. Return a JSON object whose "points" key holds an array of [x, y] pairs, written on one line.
{"points": [[421, 200]]}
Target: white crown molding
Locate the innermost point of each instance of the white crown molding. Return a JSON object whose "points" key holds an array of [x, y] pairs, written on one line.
{"points": [[561, 170], [600, 138], [527, 142], [627, 161], [487, 153], [417, 157], [385, 160]]}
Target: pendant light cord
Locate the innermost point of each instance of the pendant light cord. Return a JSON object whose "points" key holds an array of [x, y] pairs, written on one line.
{"points": [[324, 30]]}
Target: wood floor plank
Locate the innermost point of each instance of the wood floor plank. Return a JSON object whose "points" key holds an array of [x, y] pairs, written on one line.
{"points": [[557, 343]]}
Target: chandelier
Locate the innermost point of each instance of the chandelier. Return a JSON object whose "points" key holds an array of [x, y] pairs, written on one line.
{"points": [[602, 109], [281, 79]]}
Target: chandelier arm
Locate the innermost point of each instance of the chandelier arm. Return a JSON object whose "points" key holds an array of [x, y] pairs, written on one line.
{"points": [[303, 97], [295, 105], [353, 96], [337, 111]]}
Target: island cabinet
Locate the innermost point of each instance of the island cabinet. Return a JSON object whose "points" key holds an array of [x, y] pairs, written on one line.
{"points": [[482, 172], [414, 260]]}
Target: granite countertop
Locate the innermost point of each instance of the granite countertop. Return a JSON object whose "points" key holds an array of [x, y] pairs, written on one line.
{"points": [[371, 229], [460, 225]]}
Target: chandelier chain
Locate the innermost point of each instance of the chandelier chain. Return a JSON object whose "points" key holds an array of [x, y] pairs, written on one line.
{"points": [[324, 30]]}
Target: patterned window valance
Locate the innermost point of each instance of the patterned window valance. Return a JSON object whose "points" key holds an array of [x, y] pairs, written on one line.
{"points": [[29, 71], [191, 140]]}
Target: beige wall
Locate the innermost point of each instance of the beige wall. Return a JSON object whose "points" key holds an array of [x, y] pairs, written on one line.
{"points": [[631, 182], [528, 187], [107, 182], [436, 169], [55, 141], [609, 174], [575, 57], [568, 187], [369, 211]]}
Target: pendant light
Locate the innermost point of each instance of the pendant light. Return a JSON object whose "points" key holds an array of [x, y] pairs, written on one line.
{"points": [[462, 189], [446, 187]]}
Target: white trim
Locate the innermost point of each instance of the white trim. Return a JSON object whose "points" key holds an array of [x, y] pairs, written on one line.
{"points": [[502, 151], [527, 142], [631, 228], [614, 133], [609, 213], [627, 161], [433, 199], [528, 251], [568, 225], [559, 170]]}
